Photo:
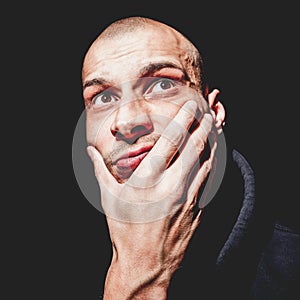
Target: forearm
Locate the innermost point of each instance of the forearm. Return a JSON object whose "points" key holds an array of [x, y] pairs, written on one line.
{"points": [[145, 256]]}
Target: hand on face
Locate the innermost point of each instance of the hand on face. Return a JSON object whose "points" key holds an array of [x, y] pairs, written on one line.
{"points": [[152, 214], [160, 182]]}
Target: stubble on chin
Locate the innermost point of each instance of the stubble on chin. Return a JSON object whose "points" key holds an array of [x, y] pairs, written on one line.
{"points": [[122, 147]]}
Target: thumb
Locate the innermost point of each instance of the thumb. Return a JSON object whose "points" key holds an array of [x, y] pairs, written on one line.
{"points": [[101, 172], [93, 154]]}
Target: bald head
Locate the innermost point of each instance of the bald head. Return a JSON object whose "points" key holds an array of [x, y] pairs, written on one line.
{"points": [[127, 25], [137, 75], [125, 29]]}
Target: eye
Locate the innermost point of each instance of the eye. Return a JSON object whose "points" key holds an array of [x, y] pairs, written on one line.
{"points": [[161, 85], [104, 97]]}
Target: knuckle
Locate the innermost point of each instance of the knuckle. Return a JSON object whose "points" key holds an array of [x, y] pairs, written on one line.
{"points": [[200, 146], [207, 166]]}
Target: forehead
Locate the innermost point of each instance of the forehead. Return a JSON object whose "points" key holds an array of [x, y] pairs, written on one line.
{"points": [[120, 58]]}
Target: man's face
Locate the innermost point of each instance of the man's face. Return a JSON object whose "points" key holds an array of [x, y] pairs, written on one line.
{"points": [[133, 87]]}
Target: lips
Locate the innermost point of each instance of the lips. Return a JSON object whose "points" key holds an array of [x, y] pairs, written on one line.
{"points": [[128, 162]]}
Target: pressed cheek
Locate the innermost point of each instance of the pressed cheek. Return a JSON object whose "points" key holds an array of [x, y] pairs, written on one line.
{"points": [[98, 133]]}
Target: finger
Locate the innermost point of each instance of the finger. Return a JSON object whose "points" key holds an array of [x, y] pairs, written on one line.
{"points": [[101, 172], [193, 148], [171, 139], [200, 177], [196, 183]]}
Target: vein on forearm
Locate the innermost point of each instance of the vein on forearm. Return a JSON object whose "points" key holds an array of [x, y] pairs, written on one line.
{"points": [[151, 280]]}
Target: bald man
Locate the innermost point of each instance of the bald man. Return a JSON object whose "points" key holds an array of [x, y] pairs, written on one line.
{"points": [[153, 129]]}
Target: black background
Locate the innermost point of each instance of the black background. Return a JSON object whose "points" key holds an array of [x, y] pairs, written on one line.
{"points": [[55, 239]]}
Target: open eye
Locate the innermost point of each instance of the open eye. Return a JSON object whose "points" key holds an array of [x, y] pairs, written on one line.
{"points": [[161, 85], [104, 97]]}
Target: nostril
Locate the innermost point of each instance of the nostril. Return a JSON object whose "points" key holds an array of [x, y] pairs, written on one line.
{"points": [[131, 130], [141, 130], [118, 135], [114, 132]]}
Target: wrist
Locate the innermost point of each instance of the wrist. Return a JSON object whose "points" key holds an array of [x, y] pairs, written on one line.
{"points": [[125, 281]]}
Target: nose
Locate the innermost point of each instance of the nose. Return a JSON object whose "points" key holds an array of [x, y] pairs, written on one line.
{"points": [[132, 120]]}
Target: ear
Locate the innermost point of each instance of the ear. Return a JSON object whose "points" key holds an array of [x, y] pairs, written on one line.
{"points": [[217, 108]]}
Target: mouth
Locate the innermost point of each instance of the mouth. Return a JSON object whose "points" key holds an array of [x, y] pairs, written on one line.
{"points": [[129, 161]]}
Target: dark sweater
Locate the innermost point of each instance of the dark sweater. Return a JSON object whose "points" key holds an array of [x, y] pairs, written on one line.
{"points": [[236, 252]]}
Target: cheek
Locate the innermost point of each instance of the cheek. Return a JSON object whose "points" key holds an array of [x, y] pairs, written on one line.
{"points": [[98, 133]]}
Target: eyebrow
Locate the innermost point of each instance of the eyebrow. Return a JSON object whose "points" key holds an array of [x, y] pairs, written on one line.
{"points": [[150, 69], [146, 71], [95, 81]]}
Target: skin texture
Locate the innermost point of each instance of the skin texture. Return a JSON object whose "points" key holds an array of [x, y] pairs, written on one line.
{"points": [[148, 124]]}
